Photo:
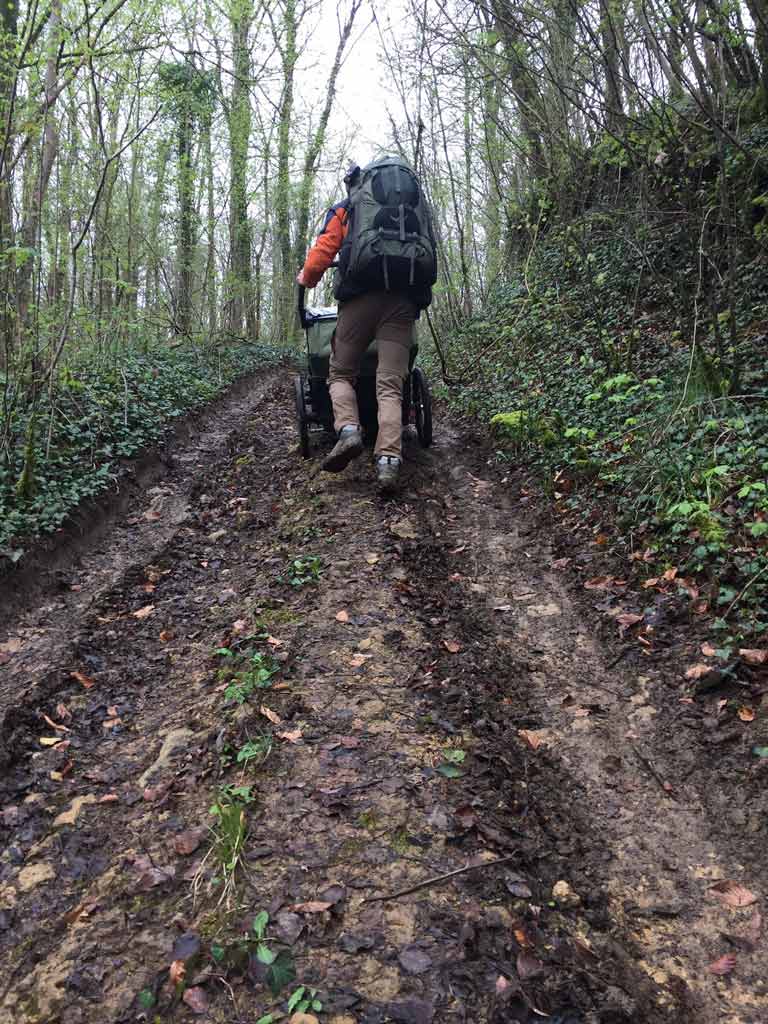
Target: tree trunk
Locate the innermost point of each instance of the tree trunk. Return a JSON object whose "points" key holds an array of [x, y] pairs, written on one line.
{"points": [[242, 304]]}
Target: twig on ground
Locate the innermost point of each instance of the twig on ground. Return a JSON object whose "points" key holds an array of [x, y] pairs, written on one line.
{"points": [[653, 773], [619, 657], [439, 878], [741, 594]]}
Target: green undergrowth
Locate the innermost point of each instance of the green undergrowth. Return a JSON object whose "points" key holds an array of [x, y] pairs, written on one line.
{"points": [[69, 446], [655, 448]]}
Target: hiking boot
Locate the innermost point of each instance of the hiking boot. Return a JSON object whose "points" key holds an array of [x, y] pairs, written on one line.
{"points": [[387, 472], [348, 447]]}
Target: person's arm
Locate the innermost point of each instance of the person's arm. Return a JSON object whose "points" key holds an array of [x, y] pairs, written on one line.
{"points": [[326, 248]]}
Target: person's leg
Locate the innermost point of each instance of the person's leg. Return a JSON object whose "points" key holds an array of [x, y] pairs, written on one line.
{"points": [[354, 331], [394, 335]]}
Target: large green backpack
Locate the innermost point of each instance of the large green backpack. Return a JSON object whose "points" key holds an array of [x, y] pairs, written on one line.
{"points": [[390, 243]]}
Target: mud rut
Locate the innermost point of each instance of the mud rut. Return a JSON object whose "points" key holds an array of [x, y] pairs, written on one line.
{"points": [[437, 625]]}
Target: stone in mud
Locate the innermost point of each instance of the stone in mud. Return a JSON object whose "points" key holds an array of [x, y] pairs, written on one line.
{"points": [[565, 895]]}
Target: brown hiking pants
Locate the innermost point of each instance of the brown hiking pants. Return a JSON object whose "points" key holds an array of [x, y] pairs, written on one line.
{"points": [[389, 318]]}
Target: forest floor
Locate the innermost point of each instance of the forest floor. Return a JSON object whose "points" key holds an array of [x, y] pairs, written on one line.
{"points": [[446, 697]]}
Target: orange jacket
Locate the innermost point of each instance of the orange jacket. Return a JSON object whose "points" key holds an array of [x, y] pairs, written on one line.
{"points": [[326, 248]]}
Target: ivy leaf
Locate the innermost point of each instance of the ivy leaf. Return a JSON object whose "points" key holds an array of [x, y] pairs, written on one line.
{"points": [[265, 955], [281, 973], [260, 923], [450, 771]]}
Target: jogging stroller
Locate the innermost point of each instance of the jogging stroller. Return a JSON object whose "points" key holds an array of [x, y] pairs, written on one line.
{"points": [[314, 412]]}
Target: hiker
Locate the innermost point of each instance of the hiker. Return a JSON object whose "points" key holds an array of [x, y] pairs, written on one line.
{"points": [[382, 234]]}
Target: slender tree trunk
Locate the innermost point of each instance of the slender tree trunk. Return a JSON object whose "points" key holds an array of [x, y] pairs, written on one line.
{"points": [[242, 305], [284, 306]]}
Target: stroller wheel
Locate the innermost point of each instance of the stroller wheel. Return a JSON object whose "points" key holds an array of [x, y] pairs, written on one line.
{"points": [[301, 415], [422, 406]]}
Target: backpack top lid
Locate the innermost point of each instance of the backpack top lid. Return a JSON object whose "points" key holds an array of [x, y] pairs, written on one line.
{"points": [[392, 181]]}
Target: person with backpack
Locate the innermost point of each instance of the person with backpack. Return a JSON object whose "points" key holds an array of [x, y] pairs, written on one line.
{"points": [[383, 237]]}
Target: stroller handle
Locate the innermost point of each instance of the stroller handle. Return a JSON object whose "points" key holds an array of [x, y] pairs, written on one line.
{"points": [[302, 296], [301, 302]]}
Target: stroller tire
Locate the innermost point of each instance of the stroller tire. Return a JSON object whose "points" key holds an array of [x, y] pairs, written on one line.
{"points": [[301, 416], [422, 406]]}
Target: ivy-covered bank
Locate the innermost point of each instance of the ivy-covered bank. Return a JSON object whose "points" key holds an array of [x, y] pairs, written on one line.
{"points": [[648, 429], [68, 447]]}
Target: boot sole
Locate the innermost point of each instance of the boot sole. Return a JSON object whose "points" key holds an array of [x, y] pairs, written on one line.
{"points": [[336, 461]]}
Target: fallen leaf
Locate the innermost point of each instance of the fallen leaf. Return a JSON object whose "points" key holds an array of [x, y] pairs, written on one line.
{"points": [[746, 714], [708, 650], [371, 559], [50, 741], [627, 619], [528, 966], [342, 616], [732, 894], [63, 711], [350, 742], [599, 583], [303, 1018], [109, 798], [311, 907], [502, 985], [365, 645], [601, 540], [187, 842], [274, 642], [176, 972], [165, 636], [531, 738], [669, 574], [697, 671], [755, 927], [358, 660], [452, 645], [752, 656], [154, 876], [724, 965], [111, 723], [83, 679], [56, 725], [293, 737], [144, 612], [273, 716], [561, 563], [239, 626], [465, 816], [149, 588], [196, 999], [651, 582], [414, 960]]}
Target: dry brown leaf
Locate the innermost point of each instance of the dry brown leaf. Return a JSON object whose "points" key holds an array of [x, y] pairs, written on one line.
{"points": [[754, 927], [50, 741], [746, 714], [452, 645], [697, 671], [561, 563], [372, 559], [196, 999], [365, 645], [176, 972], [239, 626], [303, 1018], [293, 736], [342, 616], [311, 907], [358, 660], [187, 842], [528, 966], [725, 965], [599, 583], [753, 656], [708, 650], [165, 636], [627, 619], [669, 574], [274, 642], [109, 798], [273, 716], [144, 612], [83, 679], [531, 738], [63, 711], [650, 582], [55, 725], [732, 894]]}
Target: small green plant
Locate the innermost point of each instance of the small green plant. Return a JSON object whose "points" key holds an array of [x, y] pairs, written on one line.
{"points": [[229, 832], [247, 671], [302, 570], [254, 752], [453, 757], [303, 999]]}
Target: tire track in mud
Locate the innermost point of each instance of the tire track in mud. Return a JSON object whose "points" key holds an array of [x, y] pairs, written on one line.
{"points": [[430, 640]]}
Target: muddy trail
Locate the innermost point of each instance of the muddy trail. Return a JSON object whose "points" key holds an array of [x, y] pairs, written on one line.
{"points": [[277, 748]]}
